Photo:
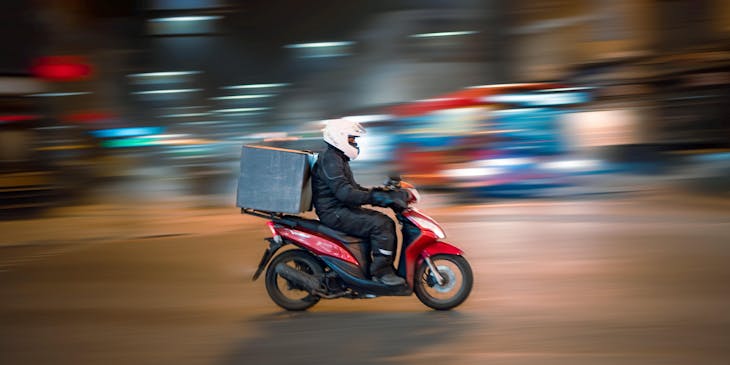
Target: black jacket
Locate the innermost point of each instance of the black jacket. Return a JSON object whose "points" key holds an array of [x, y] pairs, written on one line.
{"points": [[333, 186]]}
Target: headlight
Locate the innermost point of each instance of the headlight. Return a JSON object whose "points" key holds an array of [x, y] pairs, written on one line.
{"points": [[429, 225], [415, 194]]}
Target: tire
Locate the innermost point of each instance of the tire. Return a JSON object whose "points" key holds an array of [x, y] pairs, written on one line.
{"points": [[284, 293], [457, 272]]}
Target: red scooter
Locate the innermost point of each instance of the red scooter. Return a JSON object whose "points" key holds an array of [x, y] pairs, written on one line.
{"points": [[330, 264]]}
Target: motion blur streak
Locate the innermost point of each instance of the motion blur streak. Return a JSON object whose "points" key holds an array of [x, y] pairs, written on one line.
{"points": [[578, 151]]}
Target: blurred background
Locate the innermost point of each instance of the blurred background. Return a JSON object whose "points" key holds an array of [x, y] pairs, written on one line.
{"points": [[578, 151], [484, 98]]}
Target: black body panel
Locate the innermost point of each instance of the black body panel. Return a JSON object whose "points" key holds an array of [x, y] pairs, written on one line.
{"points": [[355, 279]]}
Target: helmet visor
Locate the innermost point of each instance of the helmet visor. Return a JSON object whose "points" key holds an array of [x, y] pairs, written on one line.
{"points": [[352, 140]]}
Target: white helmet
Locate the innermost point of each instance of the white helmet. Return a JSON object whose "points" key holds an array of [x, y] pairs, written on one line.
{"points": [[337, 132]]}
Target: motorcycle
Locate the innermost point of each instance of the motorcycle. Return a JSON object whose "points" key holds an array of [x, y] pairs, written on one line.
{"points": [[328, 264]]}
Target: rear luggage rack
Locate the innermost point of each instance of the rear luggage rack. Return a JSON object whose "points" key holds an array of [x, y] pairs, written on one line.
{"points": [[261, 213], [286, 219]]}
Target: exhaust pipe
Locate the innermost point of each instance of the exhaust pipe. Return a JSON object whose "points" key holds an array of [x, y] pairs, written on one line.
{"points": [[308, 282]]}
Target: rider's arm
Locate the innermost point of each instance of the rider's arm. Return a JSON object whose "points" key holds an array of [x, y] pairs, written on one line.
{"points": [[345, 190]]}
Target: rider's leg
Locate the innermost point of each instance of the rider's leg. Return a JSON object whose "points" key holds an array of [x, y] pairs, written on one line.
{"points": [[380, 229]]}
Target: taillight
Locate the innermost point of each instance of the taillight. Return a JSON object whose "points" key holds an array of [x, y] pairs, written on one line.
{"points": [[277, 238], [270, 224]]}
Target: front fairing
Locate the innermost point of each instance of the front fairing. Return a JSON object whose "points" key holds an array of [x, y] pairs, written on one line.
{"points": [[419, 242], [424, 222]]}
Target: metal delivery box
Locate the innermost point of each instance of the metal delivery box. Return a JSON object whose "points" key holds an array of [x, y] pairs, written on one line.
{"points": [[275, 179]]}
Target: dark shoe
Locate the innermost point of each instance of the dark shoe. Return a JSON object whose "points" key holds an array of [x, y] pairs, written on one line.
{"points": [[382, 271], [391, 280]]}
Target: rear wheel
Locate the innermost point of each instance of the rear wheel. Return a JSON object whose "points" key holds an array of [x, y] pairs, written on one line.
{"points": [[286, 294], [454, 290]]}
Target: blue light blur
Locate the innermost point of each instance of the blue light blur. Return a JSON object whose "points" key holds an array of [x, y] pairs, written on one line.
{"points": [[127, 132]]}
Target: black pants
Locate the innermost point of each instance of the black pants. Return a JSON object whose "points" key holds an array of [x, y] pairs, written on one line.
{"points": [[365, 223]]}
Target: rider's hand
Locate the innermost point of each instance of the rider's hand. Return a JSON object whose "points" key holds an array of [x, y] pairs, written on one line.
{"points": [[400, 195], [400, 199], [380, 198]]}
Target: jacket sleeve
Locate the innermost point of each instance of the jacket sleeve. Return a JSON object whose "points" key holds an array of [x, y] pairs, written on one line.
{"points": [[345, 190]]}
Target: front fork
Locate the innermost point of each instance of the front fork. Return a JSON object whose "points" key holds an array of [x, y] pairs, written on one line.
{"points": [[436, 274]]}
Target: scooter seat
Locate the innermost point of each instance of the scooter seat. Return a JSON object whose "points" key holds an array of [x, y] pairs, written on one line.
{"points": [[317, 226]]}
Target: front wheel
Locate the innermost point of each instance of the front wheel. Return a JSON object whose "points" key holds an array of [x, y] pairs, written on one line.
{"points": [[454, 290], [285, 293]]}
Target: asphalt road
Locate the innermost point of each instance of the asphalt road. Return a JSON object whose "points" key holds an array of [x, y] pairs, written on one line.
{"points": [[627, 279]]}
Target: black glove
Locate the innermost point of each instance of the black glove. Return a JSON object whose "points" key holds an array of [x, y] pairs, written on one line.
{"points": [[400, 199], [380, 198], [400, 195]]}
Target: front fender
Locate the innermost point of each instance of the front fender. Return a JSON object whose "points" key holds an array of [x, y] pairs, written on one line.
{"points": [[441, 248], [436, 248]]}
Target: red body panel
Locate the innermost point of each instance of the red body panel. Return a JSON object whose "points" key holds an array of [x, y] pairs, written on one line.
{"points": [[317, 244]]}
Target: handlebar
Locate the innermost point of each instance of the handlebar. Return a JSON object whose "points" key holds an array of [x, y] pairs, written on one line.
{"points": [[393, 182]]}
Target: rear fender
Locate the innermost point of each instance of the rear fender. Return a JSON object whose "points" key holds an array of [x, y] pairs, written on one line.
{"points": [[274, 246]]}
